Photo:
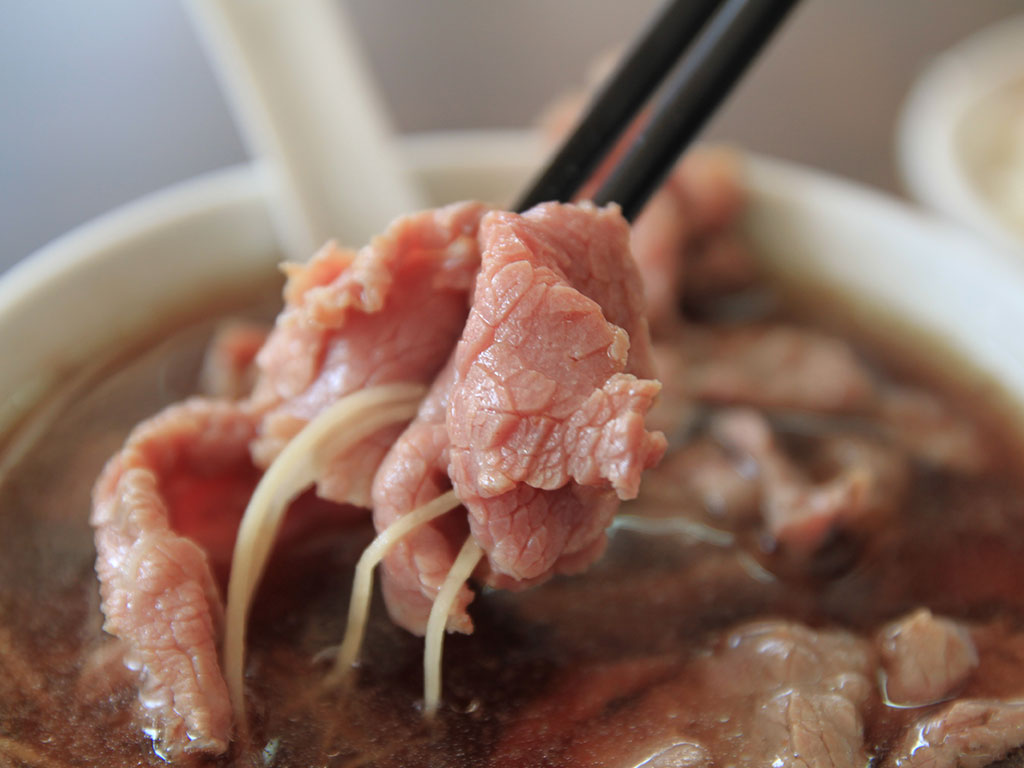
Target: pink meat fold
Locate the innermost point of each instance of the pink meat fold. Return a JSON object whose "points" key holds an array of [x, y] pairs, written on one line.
{"points": [[546, 413], [538, 420], [158, 591], [390, 312]]}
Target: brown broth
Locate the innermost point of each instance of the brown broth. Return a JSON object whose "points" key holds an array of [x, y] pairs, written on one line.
{"points": [[563, 674]]}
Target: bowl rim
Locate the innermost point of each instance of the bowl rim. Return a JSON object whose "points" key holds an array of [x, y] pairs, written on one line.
{"points": [[428, 152], [88, 241], [810, 198]]}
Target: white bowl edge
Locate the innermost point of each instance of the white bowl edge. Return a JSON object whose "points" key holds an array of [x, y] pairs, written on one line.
{"points": [[79, 295], [931, 277], [916, 269]]}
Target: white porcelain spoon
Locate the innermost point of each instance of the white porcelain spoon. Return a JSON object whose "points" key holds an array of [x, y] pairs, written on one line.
{"points": [[305, 103]]}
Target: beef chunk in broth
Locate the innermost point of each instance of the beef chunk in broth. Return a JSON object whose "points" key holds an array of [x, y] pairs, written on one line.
{"points": [[926, 659]]}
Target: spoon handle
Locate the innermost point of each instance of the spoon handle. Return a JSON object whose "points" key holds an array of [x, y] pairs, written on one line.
{"points": [[305, 103]]}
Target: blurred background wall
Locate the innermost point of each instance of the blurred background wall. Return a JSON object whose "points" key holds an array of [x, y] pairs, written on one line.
{"points": [[106, 100]]}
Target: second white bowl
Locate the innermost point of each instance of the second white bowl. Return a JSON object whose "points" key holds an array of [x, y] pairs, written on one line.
{"points": [[953, 120]]}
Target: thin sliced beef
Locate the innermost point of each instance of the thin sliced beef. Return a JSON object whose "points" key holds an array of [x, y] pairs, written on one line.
{"points": [[536, 406], [414, 472], [770, 693], [931, 431], [776, 367], [388, 313], [183, 477], [866, 481], [793, 696], [723, 265], [166, 511], [969, 733], [926, 658], [546, 414], [167, 506], [702, 476], [782, 367], [229, 366]]}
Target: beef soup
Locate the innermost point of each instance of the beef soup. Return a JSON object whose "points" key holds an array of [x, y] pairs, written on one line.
{"points": [[826, 568]]}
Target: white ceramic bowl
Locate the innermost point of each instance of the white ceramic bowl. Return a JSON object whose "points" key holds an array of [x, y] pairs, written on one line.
{"points": [[125, 274], [947, 121]]}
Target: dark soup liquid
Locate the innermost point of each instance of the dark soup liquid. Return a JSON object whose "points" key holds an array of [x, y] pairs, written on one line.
{"points": [[743, 612]]}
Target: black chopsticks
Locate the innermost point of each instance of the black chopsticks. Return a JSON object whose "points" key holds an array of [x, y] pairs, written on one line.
{"points": [[694, 89], [657, 49]]}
